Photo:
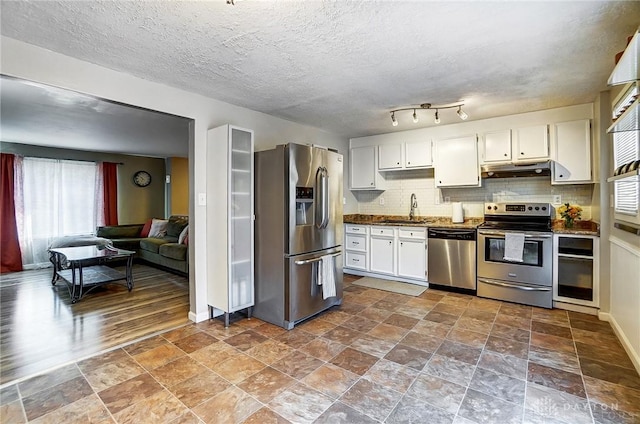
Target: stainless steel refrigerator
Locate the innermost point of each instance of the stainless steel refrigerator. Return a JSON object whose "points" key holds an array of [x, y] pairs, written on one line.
{"points": [[298, 206]]}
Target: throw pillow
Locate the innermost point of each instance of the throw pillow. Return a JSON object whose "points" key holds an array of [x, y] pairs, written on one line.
{"points": [[186, 240], [146, 228], [183, 234], [158, 228]]}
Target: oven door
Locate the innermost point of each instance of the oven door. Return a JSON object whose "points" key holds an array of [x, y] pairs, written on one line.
{"points": [[536, 267]]}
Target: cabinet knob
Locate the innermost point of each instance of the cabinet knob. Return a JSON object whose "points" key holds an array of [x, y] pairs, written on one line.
{"points": [[389, 243], [506, 154], [401, 244], [522, 153], [409, 163], [371, 183], [561, 175], [397, 163]]}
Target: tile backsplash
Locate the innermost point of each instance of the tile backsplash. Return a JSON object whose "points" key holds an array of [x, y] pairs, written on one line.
{"points": [[436, 202]]}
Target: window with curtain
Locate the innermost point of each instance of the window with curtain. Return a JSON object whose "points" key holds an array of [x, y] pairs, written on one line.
{"points": [[55, 198], [626, 149]]}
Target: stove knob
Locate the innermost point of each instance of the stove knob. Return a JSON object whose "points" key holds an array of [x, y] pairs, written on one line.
{"points": [[537, 208], [544, 208], [530, 208], [495, 208], [489, 207]]}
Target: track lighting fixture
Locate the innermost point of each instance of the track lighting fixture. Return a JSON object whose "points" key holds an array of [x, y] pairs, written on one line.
{"points": [[393, 119], [461, 113], [437, 108]]}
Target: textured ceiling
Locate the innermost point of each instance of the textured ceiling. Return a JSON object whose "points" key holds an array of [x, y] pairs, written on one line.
{"points": [[342, 66]]}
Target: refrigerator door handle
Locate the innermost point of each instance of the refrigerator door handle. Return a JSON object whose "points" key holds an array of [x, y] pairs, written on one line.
{"points": [[322, 198], [318, 259]]}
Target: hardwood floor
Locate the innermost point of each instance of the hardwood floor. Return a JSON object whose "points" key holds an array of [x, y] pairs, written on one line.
{"points": [[40, 328]]}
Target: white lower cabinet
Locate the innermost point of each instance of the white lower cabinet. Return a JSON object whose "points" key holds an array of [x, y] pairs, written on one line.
{"points": [[393, 253], [412, 254], [382, 253], [575, 270]]}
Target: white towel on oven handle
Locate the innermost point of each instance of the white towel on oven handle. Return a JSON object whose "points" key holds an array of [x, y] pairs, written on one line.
{"points": [[513, 247], [326, 276]]}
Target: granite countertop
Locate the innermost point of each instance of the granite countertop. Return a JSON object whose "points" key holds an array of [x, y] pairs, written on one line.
{"points": [[588, 228], [580, 227], [419, 221]]}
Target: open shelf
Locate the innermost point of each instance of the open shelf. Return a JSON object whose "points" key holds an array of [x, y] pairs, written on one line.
{"points": [[628, 121], [623, 176], [627, 68]]}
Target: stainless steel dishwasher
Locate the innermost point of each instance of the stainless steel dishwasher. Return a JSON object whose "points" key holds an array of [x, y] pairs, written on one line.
{"points": [[451, 257]]}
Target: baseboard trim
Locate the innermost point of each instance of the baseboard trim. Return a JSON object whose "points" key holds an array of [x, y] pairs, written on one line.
{"points": [[633, 355], [202, 316], [576, 308], [384, 277]]}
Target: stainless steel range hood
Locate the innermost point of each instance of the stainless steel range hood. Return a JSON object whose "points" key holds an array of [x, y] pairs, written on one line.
{"points": [[510, 170]]}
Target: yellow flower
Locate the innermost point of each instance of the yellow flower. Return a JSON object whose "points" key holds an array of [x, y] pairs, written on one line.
{"points": [[568, 211]]}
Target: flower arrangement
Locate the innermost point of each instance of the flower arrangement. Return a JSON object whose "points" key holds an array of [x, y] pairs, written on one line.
{"points": [[569, 213]]}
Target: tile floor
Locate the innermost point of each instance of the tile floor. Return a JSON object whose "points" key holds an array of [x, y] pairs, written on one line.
{"points": [[381, 357]]}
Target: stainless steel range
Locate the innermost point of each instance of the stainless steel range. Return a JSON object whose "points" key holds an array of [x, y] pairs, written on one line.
{"points": [[527, 277]]}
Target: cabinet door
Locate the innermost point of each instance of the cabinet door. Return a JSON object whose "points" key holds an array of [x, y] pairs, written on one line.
{"points": [[497, 146], [531, 143], [456, 162], [363, 167], [390, 156], [418, 154], [412, 259], [381, 251], [572, 152]]}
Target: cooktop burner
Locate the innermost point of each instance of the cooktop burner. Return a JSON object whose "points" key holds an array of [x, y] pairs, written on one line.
{"points": [[518, 216]]}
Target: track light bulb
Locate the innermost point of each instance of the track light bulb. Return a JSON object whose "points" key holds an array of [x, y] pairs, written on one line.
{"points": [[393, 119], [437, 120], [461, 113], [415, 117]]}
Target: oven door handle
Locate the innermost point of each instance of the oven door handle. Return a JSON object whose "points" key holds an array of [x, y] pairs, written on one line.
{"points": [[513, 286], [500, 234]]}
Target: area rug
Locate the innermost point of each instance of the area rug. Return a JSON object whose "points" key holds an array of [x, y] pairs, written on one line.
{"points": [[390, 285]]}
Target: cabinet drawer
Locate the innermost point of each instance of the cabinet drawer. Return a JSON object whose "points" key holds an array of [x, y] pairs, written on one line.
{"points": [[382, 231], [356, 229], [356, 242], [412, 233], [356, 260]]}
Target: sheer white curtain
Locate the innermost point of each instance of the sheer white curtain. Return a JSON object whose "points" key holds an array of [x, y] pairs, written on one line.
{"points": [[54, 198]]}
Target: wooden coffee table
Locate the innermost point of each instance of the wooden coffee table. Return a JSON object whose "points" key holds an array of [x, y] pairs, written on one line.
{"points": [[83, 268]]}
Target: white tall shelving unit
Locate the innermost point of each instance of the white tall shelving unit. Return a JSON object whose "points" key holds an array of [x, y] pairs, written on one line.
{"points": [[230, 220]]}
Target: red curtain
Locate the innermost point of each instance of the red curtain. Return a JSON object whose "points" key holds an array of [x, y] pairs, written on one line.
{"points": [[10, 255], [110, 195]]}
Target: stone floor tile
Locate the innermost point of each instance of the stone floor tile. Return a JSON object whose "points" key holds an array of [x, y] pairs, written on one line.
{"points": [[371, 399], [556, 379], [499, 386], [441, 317], [353, 360], [509, 332], [450, 369], [372, 345], [417, 312], [411, 412], [342, 335], [402, 321], [123, 395], [474, 324], [360, 324], [507, 347], [515, 310], [594, 338], [388, 332], [611, 373], [322, 348], [422, 341], [432, 328], [613, 395], [11, 412], [553, 329], [158, 356], [214, 354], [270, 330], [409, 356], [113, 373], [602, 327], [295, 338], [9, 394], [297, 364], [52, 398], [391, 375], [609, 354], [145, 345], [331, 380], [196, 341], [467, 337], [199, 388], [488, 305], [446, 308], [159, 407], [480, 315], [270, 351], [245, 340], [265, 416], [339, 413], [177, 371], [186, 418], [513, 321], [503, 364], [553, 358], [317, 327], [228, 407], [610, 414], [48, 380], [375, 314], [487, 409], [266, 384], [181, 332], [549, 402], [300, 404], [86, 410], [548, 341], [440, 393], [459, 351]]}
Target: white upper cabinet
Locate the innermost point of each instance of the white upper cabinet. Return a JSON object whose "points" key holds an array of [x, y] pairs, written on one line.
{"points": [[571, 152], [412, 154], [530, 143], [390, 156], [497, 146], [363, 171], [418, 154], [456, 162]]}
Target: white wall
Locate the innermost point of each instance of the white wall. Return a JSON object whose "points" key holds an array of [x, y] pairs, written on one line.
{"points": [[33, 63], [400, 184]]}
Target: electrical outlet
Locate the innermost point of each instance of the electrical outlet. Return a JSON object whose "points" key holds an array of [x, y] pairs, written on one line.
{"points": [[557, 199], [381, 200], [447, 200], [344, 200], [202, 199]]}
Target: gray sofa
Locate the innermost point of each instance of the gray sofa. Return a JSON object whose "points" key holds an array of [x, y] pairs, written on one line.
{"points": [[165, 252]]}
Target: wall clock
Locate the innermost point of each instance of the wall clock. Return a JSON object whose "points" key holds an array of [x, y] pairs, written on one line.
{"points": [[142, 178]]}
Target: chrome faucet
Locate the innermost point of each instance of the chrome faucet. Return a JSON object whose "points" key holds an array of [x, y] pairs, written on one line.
{"points": [[414, 205]]}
